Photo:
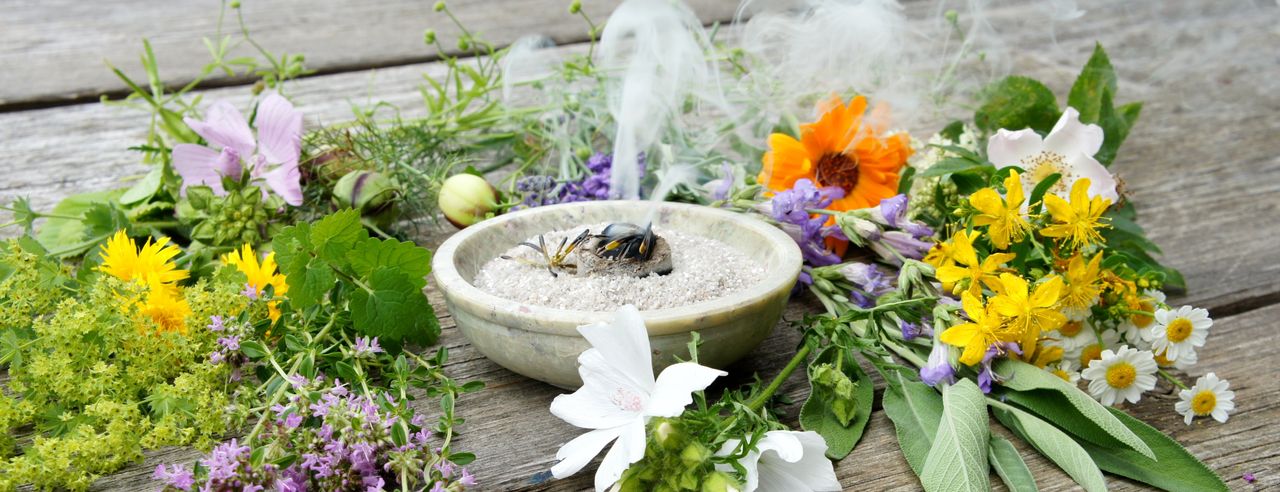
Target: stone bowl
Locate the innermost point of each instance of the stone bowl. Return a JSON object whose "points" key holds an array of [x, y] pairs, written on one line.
{"points": [[543, 343]]}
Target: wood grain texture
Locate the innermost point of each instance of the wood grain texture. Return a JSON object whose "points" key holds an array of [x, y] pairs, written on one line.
{"points": [[1203, 167], [55, 50]]}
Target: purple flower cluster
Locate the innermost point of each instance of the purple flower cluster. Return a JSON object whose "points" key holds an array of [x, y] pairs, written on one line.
{"points": [[539, 190], [790, 208], [228, 350], [338, 441], [871, 283], [886, 230]]}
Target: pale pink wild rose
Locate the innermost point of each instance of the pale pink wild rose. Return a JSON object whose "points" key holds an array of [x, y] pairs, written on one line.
{"points": [[272, 157]]}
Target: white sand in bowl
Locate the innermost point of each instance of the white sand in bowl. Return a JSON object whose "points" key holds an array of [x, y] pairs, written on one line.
{"points": [[702, 269]]}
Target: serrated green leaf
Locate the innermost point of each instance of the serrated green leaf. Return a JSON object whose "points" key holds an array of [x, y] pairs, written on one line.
{"points": [[404, 256], [394, 309], [1054, 444], [293, 248], [955, 165], [1065, 405], [1097, 77], [313, 283], [1173, 469], [957, 460], [1009, 465], [336, 234], [818, 412], [915, 409], [1015, 103]]}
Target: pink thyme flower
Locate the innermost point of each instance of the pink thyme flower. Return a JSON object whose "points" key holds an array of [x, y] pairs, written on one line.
{"points": [[272, 157]]}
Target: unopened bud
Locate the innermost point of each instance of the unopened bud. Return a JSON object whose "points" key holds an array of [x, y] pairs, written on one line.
{"points": [[575, 7], [429, 37], [466, 199], [439, 6]]}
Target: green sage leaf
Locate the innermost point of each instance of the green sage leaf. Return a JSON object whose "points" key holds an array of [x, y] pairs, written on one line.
{"points": [[915, 409], [1060, 402], [957, 460], [1009, 465], [1054, 444], [1173, 469]]}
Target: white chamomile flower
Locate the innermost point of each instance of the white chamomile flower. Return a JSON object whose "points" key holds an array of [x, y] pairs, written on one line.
{"points": [[1136, 327], [1121, 376], [1209, 397], [1179, 332], [1068, 371], [1075, 335], [1092, 350]]}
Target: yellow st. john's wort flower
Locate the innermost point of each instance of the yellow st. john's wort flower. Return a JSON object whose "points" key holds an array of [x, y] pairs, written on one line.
{"points": [[1003, 216], [968, 267], [165, 306], [259, 275], [1030, 312], [1076, 222], [1083, 283], [944, 253], [985, 328], [122, 259]]}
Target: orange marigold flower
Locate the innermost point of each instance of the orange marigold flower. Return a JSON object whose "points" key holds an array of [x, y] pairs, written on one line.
{"points": [[840, 149]]}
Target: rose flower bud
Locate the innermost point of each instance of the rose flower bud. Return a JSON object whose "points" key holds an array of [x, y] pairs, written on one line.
{"points": [[466, 199]]}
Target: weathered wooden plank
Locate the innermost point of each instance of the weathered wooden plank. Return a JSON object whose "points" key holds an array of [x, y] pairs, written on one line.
{"points": [[61, 45]]}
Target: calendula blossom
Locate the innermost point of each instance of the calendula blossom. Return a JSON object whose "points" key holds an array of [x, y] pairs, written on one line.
{"points": [[1002, 216], [122, 259], [1029, 312], [984, 329], [1077, 221], [977, 273]]}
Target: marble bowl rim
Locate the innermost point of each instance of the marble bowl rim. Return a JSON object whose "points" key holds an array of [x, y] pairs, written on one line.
{"points": [[666, 321]]}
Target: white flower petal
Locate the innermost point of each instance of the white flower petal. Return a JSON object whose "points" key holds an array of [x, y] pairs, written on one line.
{"points": [[593, 406], [672, 391], [1069, 136], [1008, 148], [624, 343], [784, 445], [810, 470], [1101, 182], [576, 453], [627, 450]]}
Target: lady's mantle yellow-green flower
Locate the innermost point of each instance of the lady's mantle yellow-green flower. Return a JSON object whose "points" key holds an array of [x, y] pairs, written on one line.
{"points": [[967, 267], [259, 276], [974, 337], [1076, 222], [1029, 312], [122, 259], [1003, 216]]}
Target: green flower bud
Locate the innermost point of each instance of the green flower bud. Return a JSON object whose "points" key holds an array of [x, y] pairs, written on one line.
{"points": [[666, 433], [464, 43], [235, 4], [372, 194], [439, 6], [583, 153], [466, 199], [575, 7], [694, 454], [839, 390], [429, 37], [720, 482]]}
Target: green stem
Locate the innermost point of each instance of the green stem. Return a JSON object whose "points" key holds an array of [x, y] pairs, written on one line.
{"points": [[764, 396], [1170, 378]]}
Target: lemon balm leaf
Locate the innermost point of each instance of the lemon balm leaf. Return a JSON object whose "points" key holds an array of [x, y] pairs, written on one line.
{"points": [[403, 256], [394, 309]]}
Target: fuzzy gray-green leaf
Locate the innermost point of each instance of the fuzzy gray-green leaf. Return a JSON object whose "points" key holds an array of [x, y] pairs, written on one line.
{"points": [[957, 460], [1007, 463], [915, 410], [1054, 444]]}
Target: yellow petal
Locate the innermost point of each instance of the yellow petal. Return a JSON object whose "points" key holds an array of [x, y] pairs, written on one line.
{"points": [[987, 201]]}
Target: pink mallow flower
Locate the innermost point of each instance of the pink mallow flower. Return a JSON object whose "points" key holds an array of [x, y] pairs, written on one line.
{"points": [[272, 157]]}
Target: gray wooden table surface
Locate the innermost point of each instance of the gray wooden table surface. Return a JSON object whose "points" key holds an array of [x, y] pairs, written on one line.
{"points": [[1202, 165]]}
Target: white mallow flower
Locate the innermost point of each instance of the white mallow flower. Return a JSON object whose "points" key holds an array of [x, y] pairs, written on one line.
{"points": [[1178, 332], [1209, 397], [619, 395], [1120, 376], [786, 461], [1068, 150]]}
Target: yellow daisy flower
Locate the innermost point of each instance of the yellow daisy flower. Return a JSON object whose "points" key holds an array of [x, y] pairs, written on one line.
{"points": [[1030, 312], [974, 337], [967, 267], [259, 275], [165, 306], [1003, 216], [1076, 222], [122, 259]]}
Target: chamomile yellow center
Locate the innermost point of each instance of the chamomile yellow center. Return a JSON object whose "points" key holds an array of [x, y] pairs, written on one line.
{"points": [[1204, 402], [1071, 328], [1163, 360], [1178, 330], [1121, 375], [1090, 354], [1144, 320], [1062, 374]]}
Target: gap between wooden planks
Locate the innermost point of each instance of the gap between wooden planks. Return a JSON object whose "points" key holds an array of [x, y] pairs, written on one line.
{"points": [[56, 49]]}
